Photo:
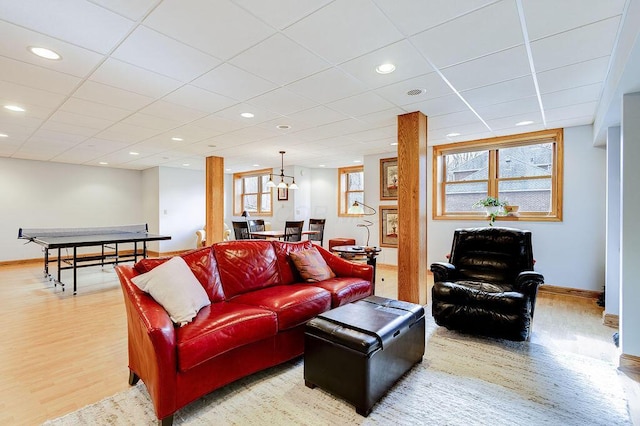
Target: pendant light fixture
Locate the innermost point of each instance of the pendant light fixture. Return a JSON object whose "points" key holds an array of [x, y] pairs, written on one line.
{"points": [[282, 183]]}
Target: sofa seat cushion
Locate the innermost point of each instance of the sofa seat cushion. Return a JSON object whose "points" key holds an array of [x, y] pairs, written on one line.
{"points": [[221, 327], [345, 289], [480, 295], [293, 304]]}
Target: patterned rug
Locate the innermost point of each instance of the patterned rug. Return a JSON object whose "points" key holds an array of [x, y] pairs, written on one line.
{"points": [[462, 380]]}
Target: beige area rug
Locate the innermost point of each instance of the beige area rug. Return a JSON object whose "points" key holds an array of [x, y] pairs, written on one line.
{"points": [[462, 381]]}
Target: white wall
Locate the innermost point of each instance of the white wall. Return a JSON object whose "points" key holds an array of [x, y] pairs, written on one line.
{"points": [[181, 207], [630, 226], [612, 250], [38, 194], [570, 253]]}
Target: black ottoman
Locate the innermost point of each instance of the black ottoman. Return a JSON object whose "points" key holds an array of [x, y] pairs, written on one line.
{"points": [[359, 350]]}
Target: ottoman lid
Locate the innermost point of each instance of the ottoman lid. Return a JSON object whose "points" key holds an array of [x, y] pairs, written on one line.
{"points": [[368, 324]]}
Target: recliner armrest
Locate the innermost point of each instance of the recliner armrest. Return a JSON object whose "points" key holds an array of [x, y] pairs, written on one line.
{"points": [[527, 282], [443, 271]]}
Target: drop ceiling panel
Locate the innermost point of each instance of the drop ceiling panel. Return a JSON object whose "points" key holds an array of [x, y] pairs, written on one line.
{"points": [[517, 88], [94, 109], [487, 36], [510, 122], [577, 95], [122, 132], [319, 115], [218, 124], [452, 120], [432, 84], [407, 60], [112, 96], [75, 60], [15, 93], [282, 101], [280, 60], [233, 113], [327, 86], [344, 30], [413, 16], [505, 109], [152, 122], [465, 132], [73, 129], [365, 103], [439, 106], [75, 21], [579, 45], [156, 52], [132, 9], [196, 98], [178, 113], [134, 79], [383, 118], [233, 82], [587, 109], [219, 28], [281, 13], [571, 76], [490, 69], [567, 14], [37, 77]]}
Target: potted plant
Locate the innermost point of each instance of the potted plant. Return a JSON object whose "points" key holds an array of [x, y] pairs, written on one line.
{"points": [[493, 206]]}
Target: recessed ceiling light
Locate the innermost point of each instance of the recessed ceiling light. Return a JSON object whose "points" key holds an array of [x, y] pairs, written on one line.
{"points": [[357, 161], [3, 135], [15, 108], [256, 165], [45, 53], [524, 123], [186, 164], [177, 139], [134, 153], [283, 126], [103, 163], [227, 170], [452, 135], [247, 115], [385, 68], [322, 165], [393, 143]]}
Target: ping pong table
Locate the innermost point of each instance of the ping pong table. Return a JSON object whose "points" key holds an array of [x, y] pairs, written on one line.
{"points": [[108, 238]]}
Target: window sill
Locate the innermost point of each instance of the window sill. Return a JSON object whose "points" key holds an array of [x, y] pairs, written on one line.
{"points": [[520, 218]]}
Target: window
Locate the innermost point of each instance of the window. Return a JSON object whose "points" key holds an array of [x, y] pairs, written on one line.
{"points": [[251, 194], [351, 187], [524, 170]]}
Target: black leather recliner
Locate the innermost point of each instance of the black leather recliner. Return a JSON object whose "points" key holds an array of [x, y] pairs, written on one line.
{"points": [[488, 286]]}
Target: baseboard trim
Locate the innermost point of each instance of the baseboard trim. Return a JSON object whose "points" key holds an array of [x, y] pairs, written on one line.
{"points": [[567, 291], [610, 320], [629, 363]]}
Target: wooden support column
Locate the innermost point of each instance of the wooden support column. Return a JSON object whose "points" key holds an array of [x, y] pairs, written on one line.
{"points": [[412, 207], [214, 199]]}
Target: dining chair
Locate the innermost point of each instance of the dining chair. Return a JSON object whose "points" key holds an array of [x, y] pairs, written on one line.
{"points": [[241, 230], [293, 230], [316, 225], [256, 225]]}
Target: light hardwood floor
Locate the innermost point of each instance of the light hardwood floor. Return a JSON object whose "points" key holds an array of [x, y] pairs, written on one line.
{"points": [[61, 352]]}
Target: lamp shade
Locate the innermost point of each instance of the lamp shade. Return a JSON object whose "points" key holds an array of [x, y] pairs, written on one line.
{"points": [[355, 208]]}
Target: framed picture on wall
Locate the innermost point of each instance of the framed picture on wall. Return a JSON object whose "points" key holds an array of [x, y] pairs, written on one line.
{"points": [[389, 226], [283, 194], [389, 178]]}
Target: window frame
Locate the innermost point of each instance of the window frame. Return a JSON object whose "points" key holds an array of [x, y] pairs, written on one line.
{"points": [[239, 194], [343, 192], [494, 145]]}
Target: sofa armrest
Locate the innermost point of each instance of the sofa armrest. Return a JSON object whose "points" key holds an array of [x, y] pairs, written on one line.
{"points": [[344, 268], [443, 271], [527, 282], [151, 341]]}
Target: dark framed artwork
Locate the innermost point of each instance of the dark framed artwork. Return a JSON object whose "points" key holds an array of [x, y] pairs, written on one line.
{"points": [[283, 194], [389, 226], [389, 178]]}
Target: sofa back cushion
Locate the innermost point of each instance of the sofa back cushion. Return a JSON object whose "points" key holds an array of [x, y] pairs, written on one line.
{"points": [[288, 272], [246, 265], [203, 265]]}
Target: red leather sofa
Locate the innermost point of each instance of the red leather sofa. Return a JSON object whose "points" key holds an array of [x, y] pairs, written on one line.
{"points": [[259, 306]]}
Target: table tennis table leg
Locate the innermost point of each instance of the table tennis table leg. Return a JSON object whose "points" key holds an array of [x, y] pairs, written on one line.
{"points": [[75, 268], [46, 262], [59, 272]]}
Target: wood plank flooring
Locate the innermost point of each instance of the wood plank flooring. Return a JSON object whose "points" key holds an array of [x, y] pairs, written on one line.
{"points": [[60, 352]]}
